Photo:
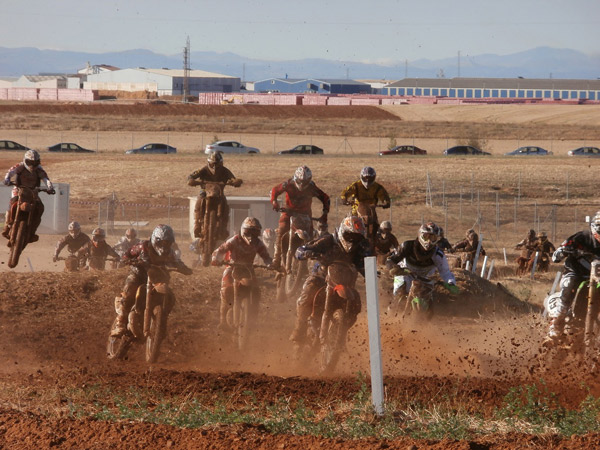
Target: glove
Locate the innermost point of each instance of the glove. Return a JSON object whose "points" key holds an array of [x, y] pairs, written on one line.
{"points": [[55, 258], [386, 206], [191, 181], [7, 181], [51, 191], [214, 262], [323, 218], [237, 182], [275, 206], [452, 288], [558, 256]]}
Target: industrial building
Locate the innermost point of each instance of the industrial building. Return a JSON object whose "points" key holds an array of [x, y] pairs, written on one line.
{"points": [[497, 88], [311, 86], [161, 81]]}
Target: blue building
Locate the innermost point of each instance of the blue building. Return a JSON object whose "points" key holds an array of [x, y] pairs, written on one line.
{"points": [[311, 86], [500, 88]]}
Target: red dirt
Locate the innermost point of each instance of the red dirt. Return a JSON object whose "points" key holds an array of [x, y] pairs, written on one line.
{"points": [[53, 335]]}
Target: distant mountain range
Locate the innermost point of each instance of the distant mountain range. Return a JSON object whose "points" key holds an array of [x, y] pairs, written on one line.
{"points": [[542, 62]]}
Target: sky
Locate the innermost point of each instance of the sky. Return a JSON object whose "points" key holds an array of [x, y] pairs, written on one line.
{"points": [[376, 31]]}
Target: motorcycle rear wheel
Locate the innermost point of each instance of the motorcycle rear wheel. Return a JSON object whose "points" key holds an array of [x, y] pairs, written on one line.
{"points": [[295, 279]]}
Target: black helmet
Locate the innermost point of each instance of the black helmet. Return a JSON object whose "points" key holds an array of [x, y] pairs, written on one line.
{"points": [[367, 176]]}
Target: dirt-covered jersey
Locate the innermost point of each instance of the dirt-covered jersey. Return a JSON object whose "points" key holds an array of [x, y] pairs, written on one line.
{"points": [[73, 244], [300, 200], [221, 174], [237, 250], [374, 195], [23, 177]]}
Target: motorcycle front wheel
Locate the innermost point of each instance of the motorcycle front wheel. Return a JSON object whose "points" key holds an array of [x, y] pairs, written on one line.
{"points": [[18, 244], [117, 346], [334, 342], [155, 335]]}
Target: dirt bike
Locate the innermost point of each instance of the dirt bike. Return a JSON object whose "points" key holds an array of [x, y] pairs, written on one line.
{"points": [[243, 312], [72, 262], [214, 204], [22, 212], [582, 324], [158, 300], [99, 262], [295, 271], [368, 213], [335, 308]]}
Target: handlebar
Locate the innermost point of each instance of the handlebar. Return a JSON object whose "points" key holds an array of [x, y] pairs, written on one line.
{"points": [[257, 266], [35, 189], [295, 213]]}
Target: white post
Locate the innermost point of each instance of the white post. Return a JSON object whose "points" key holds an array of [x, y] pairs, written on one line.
{"points": [[476, 258], [468, 266], [483, 266], [505, 261], [491, 268], [374, 333], [556, 280], [535, 260]]}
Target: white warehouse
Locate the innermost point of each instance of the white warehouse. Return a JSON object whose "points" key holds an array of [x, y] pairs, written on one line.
{"points": [[161, 81]]}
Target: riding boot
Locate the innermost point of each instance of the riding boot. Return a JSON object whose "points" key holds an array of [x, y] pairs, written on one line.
{"points": [[555, 332], [277, 252], [6, 231], [303, 312], [120, 324]]}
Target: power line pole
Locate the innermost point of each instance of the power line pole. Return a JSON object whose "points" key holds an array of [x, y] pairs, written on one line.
{"points": [[186, 71]]}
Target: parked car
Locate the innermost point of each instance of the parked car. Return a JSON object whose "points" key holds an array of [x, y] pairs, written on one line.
{"points": [[404, 150], [152, 148], [584, 151], [229, 147], [69, 147], [12, 145], [303, 150], [464, 150], [529, 151]]}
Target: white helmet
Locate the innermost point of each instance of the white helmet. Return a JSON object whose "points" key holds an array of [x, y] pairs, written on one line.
{"points": [[31, 159], [351, 230], [386, 225], [162, 239], [251, 229], [74, 229], [429, 235], [302, 177], [595, 226], [367, 176]]}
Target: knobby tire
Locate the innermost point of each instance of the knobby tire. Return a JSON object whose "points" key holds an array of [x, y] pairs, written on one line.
{"points": [[18, 245], [155, 335], [334, 342]]}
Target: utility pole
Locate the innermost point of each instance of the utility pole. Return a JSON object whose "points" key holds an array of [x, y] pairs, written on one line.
{"points": [[458, 64], [186, 71]]}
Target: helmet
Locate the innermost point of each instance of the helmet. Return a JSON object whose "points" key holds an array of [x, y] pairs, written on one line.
{"points": [[98, 234], [367, 176], [268, 235], [531, 233], [31, 159], [74, 229], [130, 234], [251, 229], [162, 239], [429, 235], [441, 232], [215, 159], [386, 225], [302, 177], [595, 225], [542, 236], [351, 231]]}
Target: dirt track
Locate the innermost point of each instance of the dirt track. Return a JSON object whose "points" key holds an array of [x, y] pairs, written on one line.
{"points": [[58, 390]]}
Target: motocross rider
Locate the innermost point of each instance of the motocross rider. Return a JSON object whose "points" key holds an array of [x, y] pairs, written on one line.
{"points": [[443, 243], [75, 241], [299, 192], [347, 243], [98, 249], [385, 241], [576, 270], [528, 244], [419, 259], [27, 173], [214, 171], [126, 242], [368, 191], [468, 247], [156, 251], [242, 249]]}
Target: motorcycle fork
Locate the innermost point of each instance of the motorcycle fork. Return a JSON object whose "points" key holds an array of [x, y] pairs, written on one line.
{"points": [[593, 302], [148, 309], [327, 314]]}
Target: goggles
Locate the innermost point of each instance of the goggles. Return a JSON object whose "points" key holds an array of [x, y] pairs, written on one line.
{"points": [[32, 162]]}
